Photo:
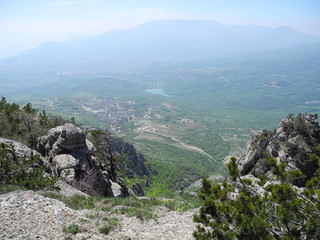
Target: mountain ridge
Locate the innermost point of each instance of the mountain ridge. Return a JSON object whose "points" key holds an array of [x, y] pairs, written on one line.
{"points": [[163, 40]]}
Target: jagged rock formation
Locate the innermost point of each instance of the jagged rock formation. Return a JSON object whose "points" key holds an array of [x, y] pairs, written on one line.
{"points": [[71, 156], [132, 162], [292, 143], [127, 161], [64, 151]]}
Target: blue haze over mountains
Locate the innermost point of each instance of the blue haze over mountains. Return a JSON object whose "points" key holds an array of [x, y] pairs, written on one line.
{"points": [[159, 41], [202, 64]]}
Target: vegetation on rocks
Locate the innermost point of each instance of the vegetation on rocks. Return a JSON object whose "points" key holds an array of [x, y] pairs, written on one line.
{"points": [[23, 172], [233, 210], [253, 206], [283, 202], [24, 125]]}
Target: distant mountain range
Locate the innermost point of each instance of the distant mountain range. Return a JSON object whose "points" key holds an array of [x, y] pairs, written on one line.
{"points": [[157, 41]]}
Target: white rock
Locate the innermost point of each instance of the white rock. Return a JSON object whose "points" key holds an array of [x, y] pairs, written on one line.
{"points": [[116, 189], [64, 161]]}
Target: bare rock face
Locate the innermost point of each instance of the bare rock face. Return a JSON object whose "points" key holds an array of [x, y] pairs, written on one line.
{"points": [[131, 163], [64, 139], [71, 156], [295, 139], [134, 163], [65, 161], [21, 150]]}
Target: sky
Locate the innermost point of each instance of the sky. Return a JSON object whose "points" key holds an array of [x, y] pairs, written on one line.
{"points": [[25, 24]]}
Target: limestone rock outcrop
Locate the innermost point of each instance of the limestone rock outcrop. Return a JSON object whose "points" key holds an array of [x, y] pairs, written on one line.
{"points": [[71, 156], [65, 152], [295, 139], [64, 139], [132, 163]]}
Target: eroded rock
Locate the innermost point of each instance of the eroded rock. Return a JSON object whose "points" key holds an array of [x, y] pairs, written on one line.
{"points": [[71, 154], [292, 143]]}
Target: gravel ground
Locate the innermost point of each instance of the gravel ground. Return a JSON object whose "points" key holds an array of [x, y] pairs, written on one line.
{"points": [[28, 215]]}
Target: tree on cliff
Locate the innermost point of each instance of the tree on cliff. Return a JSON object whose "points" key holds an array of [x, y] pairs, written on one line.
{"points": [[236, 210], [101, 141]]}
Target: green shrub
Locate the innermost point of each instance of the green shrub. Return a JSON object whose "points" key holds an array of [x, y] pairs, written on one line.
{"points": [[104, 230], [73, 229], [281, 213], [24, 172], [76, 202]]}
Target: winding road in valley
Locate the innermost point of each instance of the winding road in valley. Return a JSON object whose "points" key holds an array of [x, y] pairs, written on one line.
{"points": [[189, 147]]}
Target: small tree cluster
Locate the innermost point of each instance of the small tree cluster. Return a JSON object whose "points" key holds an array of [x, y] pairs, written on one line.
{"points": [[234, 210], [101, 141], [25, 124]]}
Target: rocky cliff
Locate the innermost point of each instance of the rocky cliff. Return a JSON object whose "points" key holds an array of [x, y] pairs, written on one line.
{"points": [[65, 152], [273, 188], [132, 163], [293, 142], [71, 157], [128, 162]]}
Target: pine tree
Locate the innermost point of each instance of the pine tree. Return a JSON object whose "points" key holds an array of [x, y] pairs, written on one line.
{"points": [[101, 140], [234, 210]]}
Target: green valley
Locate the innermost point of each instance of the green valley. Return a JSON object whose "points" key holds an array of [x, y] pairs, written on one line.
{"points": [[198, 113]]}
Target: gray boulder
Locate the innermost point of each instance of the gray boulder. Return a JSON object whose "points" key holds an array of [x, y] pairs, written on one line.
{"points": [[116, 189], [64, 139], [65, 161], [21, 150], [71, 154], [67, 137], [68, 190]]}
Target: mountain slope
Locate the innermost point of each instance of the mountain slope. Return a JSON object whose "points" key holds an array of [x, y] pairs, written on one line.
{"points": [[161, 40]]}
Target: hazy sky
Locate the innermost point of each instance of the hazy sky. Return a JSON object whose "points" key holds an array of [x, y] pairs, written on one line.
{"points": [[25, 24]]}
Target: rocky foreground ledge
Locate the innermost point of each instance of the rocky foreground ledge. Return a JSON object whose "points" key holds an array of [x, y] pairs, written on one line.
{"points": [[28, 215]]}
